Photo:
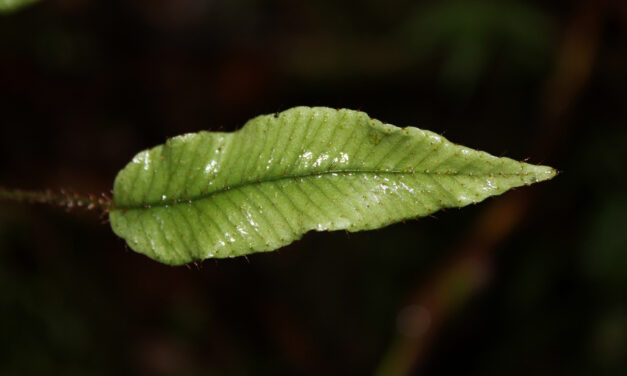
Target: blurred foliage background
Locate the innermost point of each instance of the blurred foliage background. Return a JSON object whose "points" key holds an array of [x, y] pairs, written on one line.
{"points": [[532, 282]]}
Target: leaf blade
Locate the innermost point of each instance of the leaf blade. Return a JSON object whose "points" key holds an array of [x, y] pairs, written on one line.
{"points": [[262, 187], [8, 6]]}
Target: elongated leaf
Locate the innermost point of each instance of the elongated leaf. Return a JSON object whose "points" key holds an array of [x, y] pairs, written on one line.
{"points": [[11, 5], [213, 194]]}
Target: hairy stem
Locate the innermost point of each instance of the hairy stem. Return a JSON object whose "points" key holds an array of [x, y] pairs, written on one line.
{"points": [[63, 198]]}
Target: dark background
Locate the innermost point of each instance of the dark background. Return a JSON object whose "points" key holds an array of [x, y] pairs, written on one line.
{"points": [[530, 283]]}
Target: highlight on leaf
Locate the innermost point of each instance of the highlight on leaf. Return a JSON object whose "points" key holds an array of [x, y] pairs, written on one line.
{"points": [[217, 194], [7, 6]]}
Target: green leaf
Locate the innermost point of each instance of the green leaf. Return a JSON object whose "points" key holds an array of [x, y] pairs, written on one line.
{"points": [[214, 194], [11, 5]]}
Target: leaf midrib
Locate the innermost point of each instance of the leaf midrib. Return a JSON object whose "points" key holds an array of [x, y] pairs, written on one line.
{"points": [[149, 205]]}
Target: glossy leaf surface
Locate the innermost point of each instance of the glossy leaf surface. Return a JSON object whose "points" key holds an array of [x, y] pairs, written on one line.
{"points": [[214, 194]]}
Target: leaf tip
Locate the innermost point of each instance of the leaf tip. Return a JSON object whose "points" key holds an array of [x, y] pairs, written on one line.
{"points": [[549, 173], [543, 173]]}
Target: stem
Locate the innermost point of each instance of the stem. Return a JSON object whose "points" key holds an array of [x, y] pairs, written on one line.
{"points": [[65, 199]]}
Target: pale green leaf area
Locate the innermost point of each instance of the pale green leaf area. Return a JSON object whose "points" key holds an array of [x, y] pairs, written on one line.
{"points": [[215, 194], [11, 5]]}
